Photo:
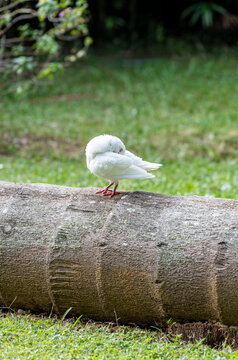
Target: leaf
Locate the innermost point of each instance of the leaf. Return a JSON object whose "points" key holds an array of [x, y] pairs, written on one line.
{"points": [[203, 11], [78, 320], [189, 10], [65, 314], [219, 9], [195, 17], [207, 18], [80, 54], [88, 41]]}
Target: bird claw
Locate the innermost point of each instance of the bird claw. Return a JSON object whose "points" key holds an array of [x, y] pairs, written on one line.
{"points": [[100, 191], [104, 192], [111, 193], [108, 192]]}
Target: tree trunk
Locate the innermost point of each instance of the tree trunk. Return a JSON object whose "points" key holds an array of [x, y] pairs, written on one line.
{"points": [[141, 257], [132, 19]]}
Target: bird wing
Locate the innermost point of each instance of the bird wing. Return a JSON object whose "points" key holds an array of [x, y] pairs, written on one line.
{"points": [[115, 166], [141, 163]]}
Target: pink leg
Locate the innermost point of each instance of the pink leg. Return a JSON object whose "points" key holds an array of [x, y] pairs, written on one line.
{"points": [[112, 193], [105, 190]]}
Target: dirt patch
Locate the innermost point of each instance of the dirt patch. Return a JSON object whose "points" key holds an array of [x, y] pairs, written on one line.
{"points": [[214, 334], [30, 144]]}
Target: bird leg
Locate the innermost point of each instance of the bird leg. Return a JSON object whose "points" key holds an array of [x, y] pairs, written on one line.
{"points": [[105, 190], [112, 193]]}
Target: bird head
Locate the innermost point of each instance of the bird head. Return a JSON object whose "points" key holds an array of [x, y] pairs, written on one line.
{"points": [[104, 143]]}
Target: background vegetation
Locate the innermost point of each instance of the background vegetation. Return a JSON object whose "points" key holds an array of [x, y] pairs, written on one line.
{"points": [[164, 78], [180, 111], [39, 38], [134, 22]]}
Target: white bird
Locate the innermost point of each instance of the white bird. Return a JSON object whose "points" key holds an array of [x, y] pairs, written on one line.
{"points": [[107, 157]]}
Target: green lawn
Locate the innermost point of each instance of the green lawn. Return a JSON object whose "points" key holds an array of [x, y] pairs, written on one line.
{"points": [[181, 112], [25, 338]]}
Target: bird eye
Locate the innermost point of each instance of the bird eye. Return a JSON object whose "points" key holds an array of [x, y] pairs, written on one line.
{"points": [[120, 150]]}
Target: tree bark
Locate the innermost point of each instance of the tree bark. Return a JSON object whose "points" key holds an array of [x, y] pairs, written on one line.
{"points": [[140, 257]]}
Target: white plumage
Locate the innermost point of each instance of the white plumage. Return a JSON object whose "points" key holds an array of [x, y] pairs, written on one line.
{"points": [[107, 157]]}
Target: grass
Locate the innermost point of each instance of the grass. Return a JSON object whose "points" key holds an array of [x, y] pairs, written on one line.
{"points": [[24, 337], [181, 112]]}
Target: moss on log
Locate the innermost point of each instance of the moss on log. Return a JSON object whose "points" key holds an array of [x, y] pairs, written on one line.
{"points": [[145, 257]]}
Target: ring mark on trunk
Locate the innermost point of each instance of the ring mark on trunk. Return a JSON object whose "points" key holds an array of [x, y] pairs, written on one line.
{"points": [[221, 256], [62, 274]]}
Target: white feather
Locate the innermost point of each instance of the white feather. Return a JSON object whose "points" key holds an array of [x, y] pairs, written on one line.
{"points": [[141, 163], [107, 157]]}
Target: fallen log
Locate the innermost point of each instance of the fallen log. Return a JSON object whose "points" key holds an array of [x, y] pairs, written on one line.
{"points": [[139, 257]]}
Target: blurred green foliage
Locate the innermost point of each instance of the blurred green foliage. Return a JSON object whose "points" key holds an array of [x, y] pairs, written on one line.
{"points": [[203, 11], [179, 111], [135, 23], [33, 38]]}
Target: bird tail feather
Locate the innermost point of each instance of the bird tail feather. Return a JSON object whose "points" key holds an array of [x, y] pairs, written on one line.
{"points": [[135, 172], [148, 166]]}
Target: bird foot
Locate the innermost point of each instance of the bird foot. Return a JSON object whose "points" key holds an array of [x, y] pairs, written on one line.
{"points": [[111, 193], [102, 191], [108, 192]]}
